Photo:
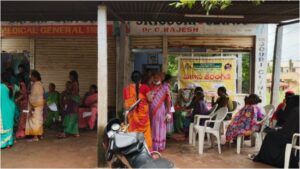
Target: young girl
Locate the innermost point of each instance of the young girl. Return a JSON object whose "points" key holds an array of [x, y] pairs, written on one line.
{"points": [[52, 99]]}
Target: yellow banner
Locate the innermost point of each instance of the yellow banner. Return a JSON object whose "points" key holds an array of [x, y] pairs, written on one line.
{"points": [[208, 72]]}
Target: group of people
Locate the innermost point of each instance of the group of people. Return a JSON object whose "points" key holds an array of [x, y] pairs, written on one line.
{"points": [[157, 115], [26, 108], [153, 112]]}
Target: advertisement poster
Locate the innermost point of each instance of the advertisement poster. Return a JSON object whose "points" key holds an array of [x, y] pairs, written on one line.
{"points": [[208, 72]]}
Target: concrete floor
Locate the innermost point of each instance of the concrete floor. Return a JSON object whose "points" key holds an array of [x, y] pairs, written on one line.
{"points": [[81, 153]]}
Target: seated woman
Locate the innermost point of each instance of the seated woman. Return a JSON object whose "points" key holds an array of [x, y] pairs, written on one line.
{"points": [[272, 150], [198, 105], [88, 110], [184, 99], [53, 102], [279, 117], [244, 123], [223, 100]]}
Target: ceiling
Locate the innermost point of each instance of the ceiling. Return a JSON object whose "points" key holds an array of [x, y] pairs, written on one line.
{"points": [[267, 12]]}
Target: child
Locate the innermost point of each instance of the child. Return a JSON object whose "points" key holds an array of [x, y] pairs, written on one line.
{"points": [[52, 101]]}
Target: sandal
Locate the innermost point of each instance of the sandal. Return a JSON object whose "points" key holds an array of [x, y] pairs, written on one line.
{"points": [[251, 156], [61, 136], [33, 140]]}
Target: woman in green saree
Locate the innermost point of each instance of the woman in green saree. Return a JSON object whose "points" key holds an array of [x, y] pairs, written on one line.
{"points": [[71, 102]]}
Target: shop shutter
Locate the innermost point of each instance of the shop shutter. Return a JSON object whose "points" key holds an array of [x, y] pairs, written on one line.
{"points": [[243, 42], [146, 42], [15, 45], [55, 57]]}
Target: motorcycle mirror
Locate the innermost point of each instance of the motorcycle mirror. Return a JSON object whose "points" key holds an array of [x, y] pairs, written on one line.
{"points": [[115, 127], [110, 134], [134, 105]]}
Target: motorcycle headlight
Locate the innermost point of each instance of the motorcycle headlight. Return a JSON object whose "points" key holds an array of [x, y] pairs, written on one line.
{"points": [[115, 127]]}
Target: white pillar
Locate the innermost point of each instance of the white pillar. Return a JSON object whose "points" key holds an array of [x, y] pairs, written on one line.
{"points": [[276, 65], [260, 69], [102, 80]]}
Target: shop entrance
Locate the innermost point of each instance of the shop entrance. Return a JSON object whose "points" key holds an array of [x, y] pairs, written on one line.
{"points": [[147, 60]]}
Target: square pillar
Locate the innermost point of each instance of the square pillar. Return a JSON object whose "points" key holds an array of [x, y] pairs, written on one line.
{"points": [[276, 66], [102, 81]]}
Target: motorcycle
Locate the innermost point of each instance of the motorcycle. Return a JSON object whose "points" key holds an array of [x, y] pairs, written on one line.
{"points": [[128, 149]]}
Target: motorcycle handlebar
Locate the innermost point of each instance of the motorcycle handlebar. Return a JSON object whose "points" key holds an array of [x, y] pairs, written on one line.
{"points": [[130, 109]]}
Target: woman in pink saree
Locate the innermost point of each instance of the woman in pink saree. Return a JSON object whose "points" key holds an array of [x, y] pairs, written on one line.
{"points": [[89, 105], [159, 112]]}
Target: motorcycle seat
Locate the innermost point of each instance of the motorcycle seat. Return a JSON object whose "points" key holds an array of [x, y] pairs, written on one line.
{"points": [[123, 140]]}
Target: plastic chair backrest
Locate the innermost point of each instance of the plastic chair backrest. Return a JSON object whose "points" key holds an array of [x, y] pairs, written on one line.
{"points": [[212, 111], [269, 109], [235, 105], [220, 116], [211, 114]]}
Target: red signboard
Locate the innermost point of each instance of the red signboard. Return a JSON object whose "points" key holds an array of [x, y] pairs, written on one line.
{"points": [[51, 30]]}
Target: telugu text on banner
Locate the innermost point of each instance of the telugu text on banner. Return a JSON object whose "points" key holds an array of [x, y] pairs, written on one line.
{"points": [[209, 72]]}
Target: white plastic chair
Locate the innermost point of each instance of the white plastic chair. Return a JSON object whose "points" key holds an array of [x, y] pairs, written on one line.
{"points": [[236, 107], [220, 115], [197, 119], [259, 135], [288, 150]]}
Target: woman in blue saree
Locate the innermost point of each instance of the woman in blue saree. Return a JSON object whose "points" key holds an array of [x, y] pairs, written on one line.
{"points": [[7, 114]]}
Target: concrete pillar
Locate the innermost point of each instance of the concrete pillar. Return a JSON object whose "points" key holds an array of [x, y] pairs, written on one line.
{"points": [[32, 53], [120, 45], [165, 54], [276, 66], [239, 73], [102, 80]]}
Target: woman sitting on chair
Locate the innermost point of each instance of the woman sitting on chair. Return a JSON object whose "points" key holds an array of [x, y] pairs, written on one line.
{"points": [[273, 147], [245, 121], [88, 111]]}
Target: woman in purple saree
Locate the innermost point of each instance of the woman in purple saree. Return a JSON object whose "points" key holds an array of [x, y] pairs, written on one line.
{"points": [[159, 112]]}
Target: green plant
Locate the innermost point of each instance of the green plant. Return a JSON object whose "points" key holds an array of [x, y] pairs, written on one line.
{"points": [[208, 5], [246, 73], [173, 65]]}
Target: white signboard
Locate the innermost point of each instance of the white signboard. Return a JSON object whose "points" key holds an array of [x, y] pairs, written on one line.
{"points": [[189, 28]]}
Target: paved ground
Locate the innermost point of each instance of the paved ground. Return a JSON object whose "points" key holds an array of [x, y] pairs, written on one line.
{"points": [[81, 153]]}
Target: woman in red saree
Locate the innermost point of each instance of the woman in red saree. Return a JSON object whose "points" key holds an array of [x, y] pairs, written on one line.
{"points": [[138, 119], [22, 102], [89, 105]]}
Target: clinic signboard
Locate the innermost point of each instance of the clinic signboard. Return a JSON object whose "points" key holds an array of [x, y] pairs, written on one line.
{"points": [[189, 28]]}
